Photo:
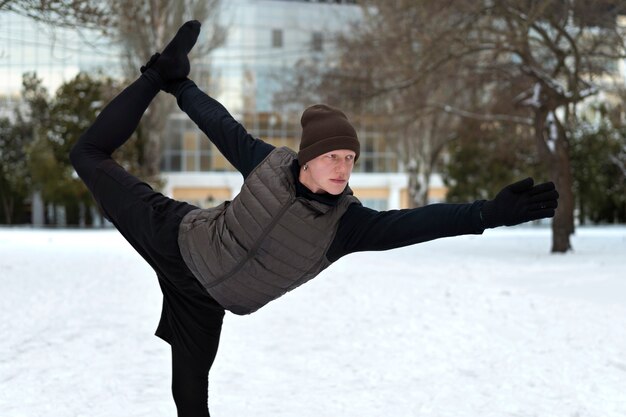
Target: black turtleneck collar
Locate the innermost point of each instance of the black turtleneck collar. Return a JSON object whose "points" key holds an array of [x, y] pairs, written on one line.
{"points": [[303, 191]]}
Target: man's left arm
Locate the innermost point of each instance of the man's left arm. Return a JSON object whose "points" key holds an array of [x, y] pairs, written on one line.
{"points": [[364, 229]]}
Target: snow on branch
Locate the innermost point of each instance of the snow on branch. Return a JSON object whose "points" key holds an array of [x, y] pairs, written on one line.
{"points": [[516, 12], [544, 78], [587, 92], [534, 100], [553, 132], [554, 85]]}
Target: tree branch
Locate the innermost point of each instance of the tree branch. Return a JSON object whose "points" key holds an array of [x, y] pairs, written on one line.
{"points": [[487, 117]]}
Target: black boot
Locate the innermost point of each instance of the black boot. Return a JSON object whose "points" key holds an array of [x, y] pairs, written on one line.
{"points": [[173, 64]]}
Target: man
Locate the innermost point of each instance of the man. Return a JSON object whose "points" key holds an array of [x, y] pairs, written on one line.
{"points": [[294, 217]]}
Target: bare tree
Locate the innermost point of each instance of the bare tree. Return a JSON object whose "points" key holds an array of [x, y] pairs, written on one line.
{"points": [[93, 14], [509, 61], [547, 57]]}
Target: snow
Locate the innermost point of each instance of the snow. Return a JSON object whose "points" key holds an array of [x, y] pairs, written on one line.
{"points": [[489, 325], [553, 135], [535, 99]]}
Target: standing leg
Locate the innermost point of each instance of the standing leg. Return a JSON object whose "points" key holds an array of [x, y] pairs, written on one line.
{"points": [[191, 321], [190, 385]]}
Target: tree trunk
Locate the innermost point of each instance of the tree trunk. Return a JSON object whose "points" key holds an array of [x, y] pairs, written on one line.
{"points": [[553, 147], [7, 204], [414, 188], [582, 212], [38, 213], [562, 224], [426, 185], [561, 172]]}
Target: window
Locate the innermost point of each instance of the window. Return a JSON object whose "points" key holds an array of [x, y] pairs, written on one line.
{"points": [[277, 38]]}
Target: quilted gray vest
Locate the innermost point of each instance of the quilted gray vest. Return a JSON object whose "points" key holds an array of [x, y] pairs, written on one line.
{"points": [[265, 242]]}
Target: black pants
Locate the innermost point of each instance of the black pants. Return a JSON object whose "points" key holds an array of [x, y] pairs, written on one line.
{"points": [[191, 320]]}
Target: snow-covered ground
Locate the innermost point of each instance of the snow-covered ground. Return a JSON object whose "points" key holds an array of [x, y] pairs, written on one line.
{"points": [[488, 325]]}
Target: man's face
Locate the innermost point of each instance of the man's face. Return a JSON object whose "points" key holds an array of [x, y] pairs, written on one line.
{"points": [[329, 172]]}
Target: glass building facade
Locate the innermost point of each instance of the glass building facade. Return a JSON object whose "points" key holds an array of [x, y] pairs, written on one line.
{"points": [[55, 54], [264, 41]]}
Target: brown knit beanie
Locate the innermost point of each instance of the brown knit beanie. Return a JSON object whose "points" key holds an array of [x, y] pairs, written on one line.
{"points": [[325, 129]]}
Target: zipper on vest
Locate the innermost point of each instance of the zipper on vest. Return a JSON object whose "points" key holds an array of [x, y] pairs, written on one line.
{"points": [[252, 252]]}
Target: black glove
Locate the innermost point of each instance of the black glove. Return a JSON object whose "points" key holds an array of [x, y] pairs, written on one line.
{"points": [[172, 64], [520, 202]]}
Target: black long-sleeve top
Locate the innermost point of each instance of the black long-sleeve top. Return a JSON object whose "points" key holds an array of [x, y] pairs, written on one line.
{"points": [[360, 228]]}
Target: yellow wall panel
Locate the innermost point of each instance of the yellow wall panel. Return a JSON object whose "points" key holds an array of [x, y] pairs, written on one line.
{"points": [[371, 193], [201, 193], [404, 198], [189, 140], [437, 193]]}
